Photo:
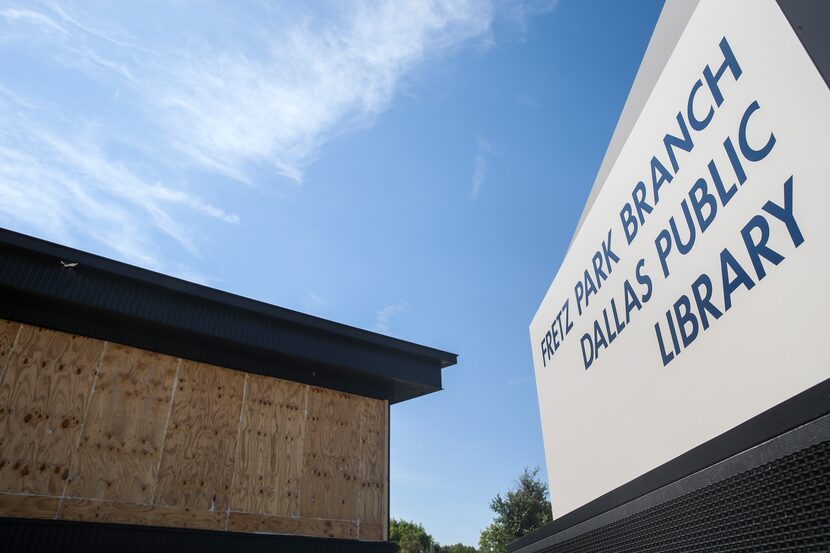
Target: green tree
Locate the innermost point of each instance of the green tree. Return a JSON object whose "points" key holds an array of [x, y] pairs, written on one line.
{"points": [[410, 537], [456, 548], [523, 509]]}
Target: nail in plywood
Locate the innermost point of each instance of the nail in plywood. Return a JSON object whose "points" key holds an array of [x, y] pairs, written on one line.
{"points": [[269, 463], [200, 445], [245, 522], [8, 332], [42, 399], [120, 446], [28, 506], [373, 468], [331, 456], [147, 515]]}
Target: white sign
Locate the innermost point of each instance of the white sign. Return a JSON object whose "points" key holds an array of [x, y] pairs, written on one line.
{"points": [[695, 295]]}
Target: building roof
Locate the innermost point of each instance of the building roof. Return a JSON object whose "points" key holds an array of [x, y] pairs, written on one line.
{"points": [[114, 301]]}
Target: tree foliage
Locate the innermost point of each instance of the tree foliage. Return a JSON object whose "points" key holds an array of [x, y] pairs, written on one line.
{"points": [[410, 536], [523, 509], [456, 548]]}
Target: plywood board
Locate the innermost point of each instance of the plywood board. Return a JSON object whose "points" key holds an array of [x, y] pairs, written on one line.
{"points": [[28, 506], [269, 462], [200, 445], [8, 333], [120, 446], [147, 515], [331, 456], [372, 531], [373, 468], [245, 522], [43, 397]]}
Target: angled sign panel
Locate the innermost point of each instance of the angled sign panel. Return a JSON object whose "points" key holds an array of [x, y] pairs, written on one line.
{"points": [[695, 294]]}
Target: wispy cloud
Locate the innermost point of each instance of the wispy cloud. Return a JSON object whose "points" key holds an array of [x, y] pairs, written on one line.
{"points": [[384, 315], [307, 83], [248, 93], [520, 12], [314, 301], [61, 187], [480, 167], [277, 96]]}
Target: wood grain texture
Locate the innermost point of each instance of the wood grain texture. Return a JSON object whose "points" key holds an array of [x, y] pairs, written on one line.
{"points": [[28, 506], [8, 332], [146, 515], [140, 445], [43, 397], [269, 463], [246, 522], [331, 457], [373, 469], [372, 531], [200, 446], [120, 446]]}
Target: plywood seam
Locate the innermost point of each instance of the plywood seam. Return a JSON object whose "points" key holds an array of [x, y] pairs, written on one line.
{"points": [[164, 434], [317, 519], [173, 507], [302, 449], [9, 354], [100, 500], [236, 453], [83, 423], [384, 512], [360, 441], [25, 494]]}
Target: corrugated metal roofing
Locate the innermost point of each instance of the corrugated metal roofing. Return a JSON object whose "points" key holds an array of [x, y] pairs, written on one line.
{"points": [[114, 301]]}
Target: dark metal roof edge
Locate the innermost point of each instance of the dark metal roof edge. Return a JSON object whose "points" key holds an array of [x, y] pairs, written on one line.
{"points": [[206, 293], [792, 413]]}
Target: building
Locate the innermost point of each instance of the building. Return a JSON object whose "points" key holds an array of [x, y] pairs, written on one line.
{"points": [[140, 412], [683, 384]]}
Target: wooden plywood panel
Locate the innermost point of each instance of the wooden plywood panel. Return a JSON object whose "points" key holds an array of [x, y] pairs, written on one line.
{"points": [[147, 515], [372, 531], [120, 445], [28, 506], [329, 488], [200, 446], [245, 522], [8, 332], [43, 397], [269, 462], [373, 469]]}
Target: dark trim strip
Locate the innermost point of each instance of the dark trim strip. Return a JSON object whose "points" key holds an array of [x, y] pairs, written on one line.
{"points": [[49, 536], [796, 411]]}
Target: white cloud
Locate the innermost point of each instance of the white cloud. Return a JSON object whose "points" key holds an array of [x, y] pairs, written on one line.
{"points": [[306, 83], [480, 167], [278, 93], [384, 316], [62, 187], [22, 16], [520, 12], [314, 301], [247, 92]]}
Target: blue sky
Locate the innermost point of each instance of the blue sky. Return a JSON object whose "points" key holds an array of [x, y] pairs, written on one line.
{"points": [[410, 167]]}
